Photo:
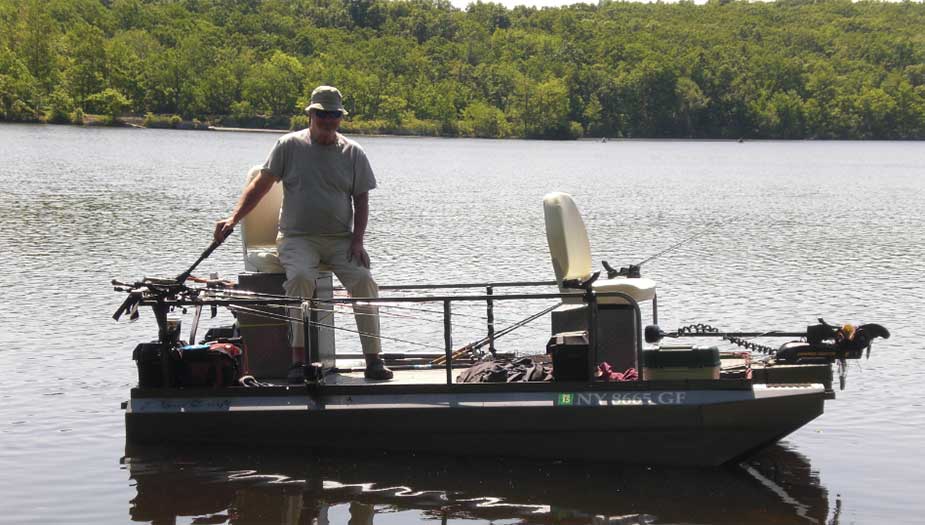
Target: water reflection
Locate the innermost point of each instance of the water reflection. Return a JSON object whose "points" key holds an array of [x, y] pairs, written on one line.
{"points": [[231, 486]]}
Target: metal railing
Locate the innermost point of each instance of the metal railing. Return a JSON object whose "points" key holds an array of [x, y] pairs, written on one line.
{"points": [[161, 304], [590, 298]]}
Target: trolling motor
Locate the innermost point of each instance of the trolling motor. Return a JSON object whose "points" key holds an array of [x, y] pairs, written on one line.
{"points": [[823, 343], [826, 343]]}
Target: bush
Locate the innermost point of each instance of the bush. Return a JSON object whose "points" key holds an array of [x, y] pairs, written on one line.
{"points": [[298, 122], [482, 120], [414, 126], [161, 121], [242, 110], [58, 115], [60, 106], [77, 117], [109, 102], [20, 111], [364, 127]]}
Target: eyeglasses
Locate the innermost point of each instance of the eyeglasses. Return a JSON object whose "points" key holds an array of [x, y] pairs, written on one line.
{"points": [[328, 114]]}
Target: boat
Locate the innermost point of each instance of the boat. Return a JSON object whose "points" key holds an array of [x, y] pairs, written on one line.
{"points": [[678, 404]]}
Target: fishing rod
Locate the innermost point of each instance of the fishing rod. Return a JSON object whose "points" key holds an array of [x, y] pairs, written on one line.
{"points": [[159, 287], [205, 254], [486, 340]]}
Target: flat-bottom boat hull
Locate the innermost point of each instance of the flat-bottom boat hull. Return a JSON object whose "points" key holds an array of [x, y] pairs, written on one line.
{"points": [[704, 429]]}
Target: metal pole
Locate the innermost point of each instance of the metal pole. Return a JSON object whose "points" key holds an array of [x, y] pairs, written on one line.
{"points": [[592, 334], [514, 284], [306, 334], [313, 330], [163, 336], [655, 308], [491, 320], [448, 340]]}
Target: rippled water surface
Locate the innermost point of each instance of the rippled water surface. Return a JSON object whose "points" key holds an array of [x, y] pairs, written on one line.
{"points": [[789, 231]]}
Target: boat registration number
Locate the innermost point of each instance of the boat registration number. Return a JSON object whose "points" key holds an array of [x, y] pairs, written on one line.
{"points": [[620, 398]]}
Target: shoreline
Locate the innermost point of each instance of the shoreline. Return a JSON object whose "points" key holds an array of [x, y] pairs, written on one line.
{"points": [[132, 123]]}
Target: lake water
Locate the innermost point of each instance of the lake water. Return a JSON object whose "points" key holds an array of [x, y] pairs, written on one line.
{"points": [[789, 231]]}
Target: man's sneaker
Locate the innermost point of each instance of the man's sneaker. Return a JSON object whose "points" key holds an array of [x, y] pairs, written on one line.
{"points": [[296, 375], [376, 369]]}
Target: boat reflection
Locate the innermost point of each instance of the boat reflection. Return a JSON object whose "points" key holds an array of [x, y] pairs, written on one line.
{"points": [[234, 486]]}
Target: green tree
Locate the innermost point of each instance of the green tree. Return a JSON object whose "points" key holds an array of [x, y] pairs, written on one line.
{"points": [[37, 36], [273, 86], [85, 62], [391, 109], [18, 89], [108, 102], [482, 120]]}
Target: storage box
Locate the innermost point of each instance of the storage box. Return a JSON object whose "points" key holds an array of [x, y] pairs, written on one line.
{"points": [[267, 340], [689, 362], [617, 331], [147, 358], [569, 352]]}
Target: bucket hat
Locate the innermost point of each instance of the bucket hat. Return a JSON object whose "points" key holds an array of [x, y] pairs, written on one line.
{"points": [[326, 98]]}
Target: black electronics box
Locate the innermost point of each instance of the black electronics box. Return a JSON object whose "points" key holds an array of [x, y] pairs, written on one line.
{"points": [[569, 352]]}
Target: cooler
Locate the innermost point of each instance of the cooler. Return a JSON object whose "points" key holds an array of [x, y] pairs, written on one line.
{"points": [[681, 362]]}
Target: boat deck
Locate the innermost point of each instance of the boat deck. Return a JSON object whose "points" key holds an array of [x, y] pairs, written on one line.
{"points": [[402, 377], [436, 376]]}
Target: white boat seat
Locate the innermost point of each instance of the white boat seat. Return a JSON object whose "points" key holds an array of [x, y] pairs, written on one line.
{"points": [[260, 228], [639, 288], [262, 259], [571, 253]]}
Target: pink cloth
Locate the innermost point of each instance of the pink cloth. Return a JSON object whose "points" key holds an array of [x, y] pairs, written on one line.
{"points": [[607, 373]]}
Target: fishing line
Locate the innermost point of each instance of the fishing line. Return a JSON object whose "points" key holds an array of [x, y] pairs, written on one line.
{"points": [[346, 310], [384, 305], [281, 317], [704, 231]]}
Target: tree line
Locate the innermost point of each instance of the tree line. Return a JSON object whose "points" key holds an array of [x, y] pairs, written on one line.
{"points": [[726, 69]]}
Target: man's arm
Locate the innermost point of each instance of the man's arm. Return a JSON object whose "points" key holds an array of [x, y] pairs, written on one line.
{"points": [[253, 192], [360, 219]]}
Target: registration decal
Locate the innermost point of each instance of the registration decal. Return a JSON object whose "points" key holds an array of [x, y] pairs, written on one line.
{"points": [[565, 399]]}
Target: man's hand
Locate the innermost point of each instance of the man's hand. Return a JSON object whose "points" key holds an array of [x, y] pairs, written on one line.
{"points": [[223, 229], [358, 253]]}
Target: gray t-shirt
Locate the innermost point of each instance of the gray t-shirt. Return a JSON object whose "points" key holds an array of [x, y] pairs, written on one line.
{"points": [[319, 182]]}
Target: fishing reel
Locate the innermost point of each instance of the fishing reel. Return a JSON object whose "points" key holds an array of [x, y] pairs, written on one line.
{"points": [[148, 289], [631, 271]]}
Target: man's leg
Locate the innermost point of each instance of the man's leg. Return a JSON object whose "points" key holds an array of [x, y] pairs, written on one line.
{"points": [[358, 280], [300, 257]]}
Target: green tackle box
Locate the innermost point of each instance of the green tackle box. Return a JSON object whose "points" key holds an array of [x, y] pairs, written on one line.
{"points": [[681, 362]]}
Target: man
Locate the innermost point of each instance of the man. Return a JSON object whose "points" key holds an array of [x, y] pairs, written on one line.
{"points": [[326, 181]]}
